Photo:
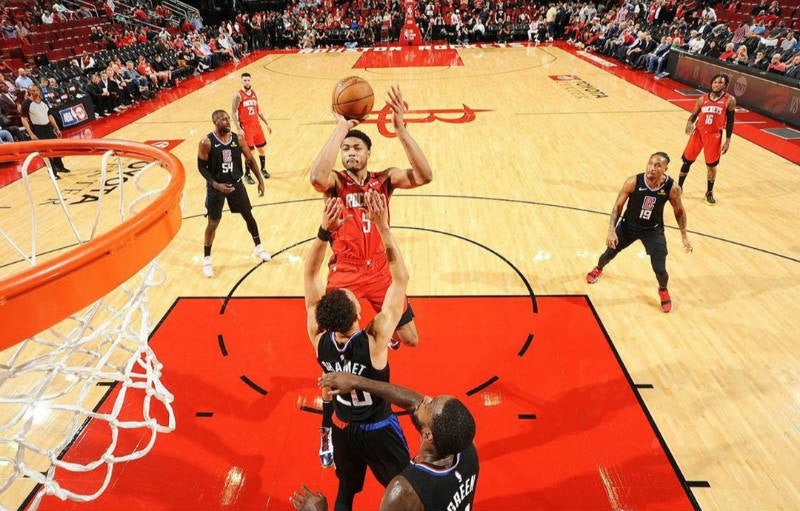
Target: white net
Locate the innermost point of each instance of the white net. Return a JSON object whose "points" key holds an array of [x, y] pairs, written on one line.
{"points": [[86, 393]]}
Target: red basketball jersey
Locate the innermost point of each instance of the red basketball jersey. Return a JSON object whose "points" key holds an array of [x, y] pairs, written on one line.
{"points": [[248, 108], [712, 114], [357, 239]]}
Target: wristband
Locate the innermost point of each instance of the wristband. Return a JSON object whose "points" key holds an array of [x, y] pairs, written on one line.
{"points": [[324, 235]]}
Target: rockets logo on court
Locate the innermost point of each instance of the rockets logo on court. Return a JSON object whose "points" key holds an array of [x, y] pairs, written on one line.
{"points": [[383, 117]]}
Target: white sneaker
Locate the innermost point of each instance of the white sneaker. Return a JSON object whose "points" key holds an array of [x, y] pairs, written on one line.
{"points": [[208, 271], [262, 254]]}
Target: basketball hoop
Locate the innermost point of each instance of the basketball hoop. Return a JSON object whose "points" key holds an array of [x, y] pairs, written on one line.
{"points": [[75, 315]]}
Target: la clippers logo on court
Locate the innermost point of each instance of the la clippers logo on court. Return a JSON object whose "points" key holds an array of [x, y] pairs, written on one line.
{"points": [[72, 115], [461, 115]]}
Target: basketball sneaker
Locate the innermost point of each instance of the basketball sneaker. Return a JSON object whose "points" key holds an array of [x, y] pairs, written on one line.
{"points": [[208, 271], [249, 179], [710, 198], [394, 343], [265, 173], [262, 254], [593, 275], [325, 447], [666, 301]]}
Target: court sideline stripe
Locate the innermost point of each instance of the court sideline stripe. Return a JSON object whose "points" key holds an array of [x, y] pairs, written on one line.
{"points": [[664, 447]]}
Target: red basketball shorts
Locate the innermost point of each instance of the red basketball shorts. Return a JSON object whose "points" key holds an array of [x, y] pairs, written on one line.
{"points": [[366, 281], [709, 143], [254, 135]]}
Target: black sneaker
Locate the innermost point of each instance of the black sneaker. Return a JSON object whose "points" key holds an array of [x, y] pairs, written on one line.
{"points": [[249, 179], [710, 198], [265, 173], [64, 170]]}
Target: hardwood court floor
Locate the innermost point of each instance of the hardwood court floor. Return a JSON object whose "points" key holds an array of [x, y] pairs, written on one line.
{"points": [[530, 176]]}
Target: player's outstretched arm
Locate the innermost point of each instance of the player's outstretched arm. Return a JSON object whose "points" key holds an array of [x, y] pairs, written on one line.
{"points": [[344, 383], [312, 281], [385, 322], [420, 172], [322, 177]]}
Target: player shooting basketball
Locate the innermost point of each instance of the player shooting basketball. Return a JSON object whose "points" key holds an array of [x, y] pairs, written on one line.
{"points": [[359, 260]]}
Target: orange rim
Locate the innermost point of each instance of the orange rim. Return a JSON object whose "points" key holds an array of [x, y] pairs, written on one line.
{"points": [[43, 295]]}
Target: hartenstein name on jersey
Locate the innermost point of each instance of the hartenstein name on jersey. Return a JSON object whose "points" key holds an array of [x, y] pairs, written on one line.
{"points": [[348, 367], [711, 109], [464, 490]]}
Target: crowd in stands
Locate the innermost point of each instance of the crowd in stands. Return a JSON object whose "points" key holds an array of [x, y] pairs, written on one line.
{"points": [[135, 50], [642, 37]]}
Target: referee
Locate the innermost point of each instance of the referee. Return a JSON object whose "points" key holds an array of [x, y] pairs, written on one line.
{"points": [[39, 122]]}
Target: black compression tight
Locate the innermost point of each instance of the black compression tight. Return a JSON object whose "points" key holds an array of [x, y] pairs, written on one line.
{"points": [[252, 226]]}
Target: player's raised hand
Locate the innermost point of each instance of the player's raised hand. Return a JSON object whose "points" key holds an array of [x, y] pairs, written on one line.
{"points": [[377, 209], [332, 215], [351, 123], [398, 107], [338, 383]]}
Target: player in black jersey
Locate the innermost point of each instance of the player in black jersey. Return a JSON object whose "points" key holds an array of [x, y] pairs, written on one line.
{"points": [[219, 159], [646, 195], [444, 474], [365, 433]]}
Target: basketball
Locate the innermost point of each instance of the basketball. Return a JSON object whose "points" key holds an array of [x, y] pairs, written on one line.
{"points": [[353, 98]]}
